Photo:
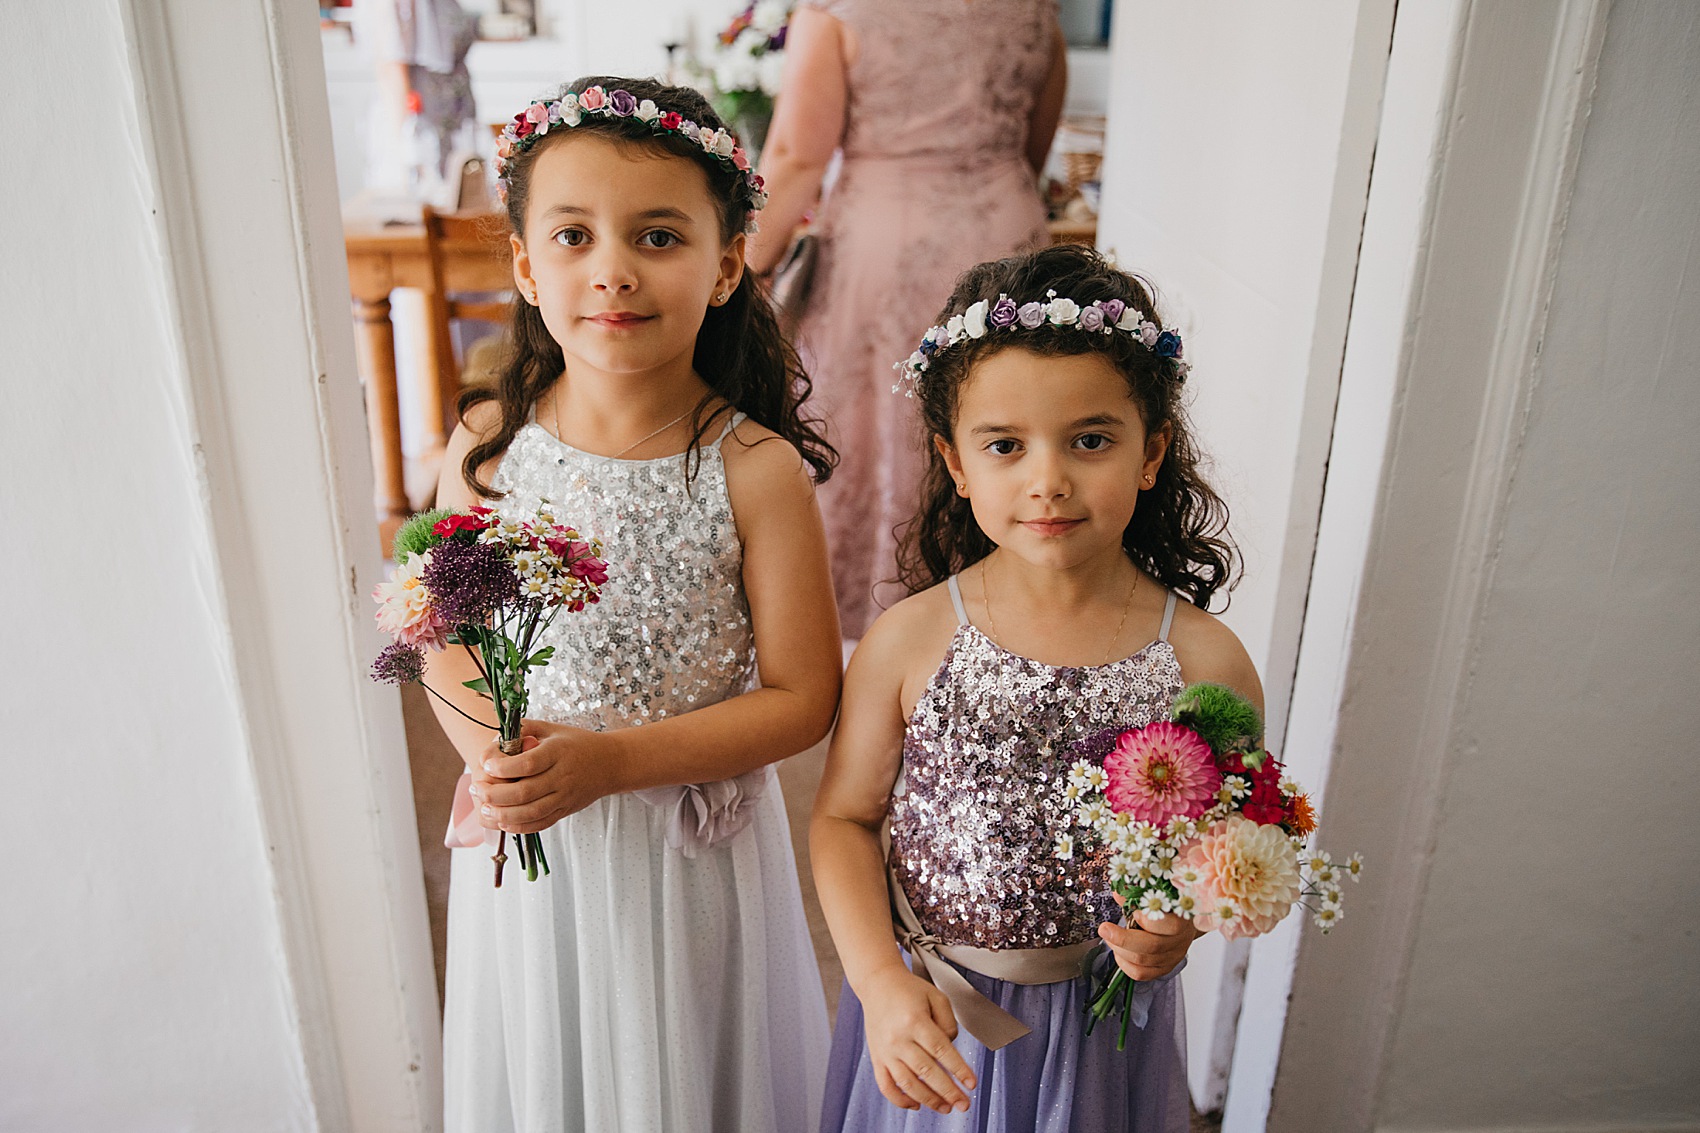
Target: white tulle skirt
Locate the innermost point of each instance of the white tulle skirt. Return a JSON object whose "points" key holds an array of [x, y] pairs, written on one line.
{"points": [[635, 989]]}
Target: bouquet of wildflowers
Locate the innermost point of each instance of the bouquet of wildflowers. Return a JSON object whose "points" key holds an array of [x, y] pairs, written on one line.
{"points": [[491, 585], [748, 64], [1192, 817]]}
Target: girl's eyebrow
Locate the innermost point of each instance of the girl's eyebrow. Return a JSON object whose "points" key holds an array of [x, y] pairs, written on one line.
{"points": [[666, 212], [1082, 423]]}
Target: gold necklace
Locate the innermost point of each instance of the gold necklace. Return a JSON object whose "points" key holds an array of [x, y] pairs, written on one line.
{"points": [[628, 448], [992, 621]]}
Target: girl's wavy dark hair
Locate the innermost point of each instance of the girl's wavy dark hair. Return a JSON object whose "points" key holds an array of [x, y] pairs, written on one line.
{"points": [[740, 351], [1178, 533]]}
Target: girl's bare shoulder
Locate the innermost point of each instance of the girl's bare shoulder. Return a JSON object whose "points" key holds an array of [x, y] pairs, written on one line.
{"points": [[907, 643], [1209, 651]]}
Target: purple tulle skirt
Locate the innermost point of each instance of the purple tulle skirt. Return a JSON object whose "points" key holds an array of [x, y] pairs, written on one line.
{"points": [[1055, 1080]]}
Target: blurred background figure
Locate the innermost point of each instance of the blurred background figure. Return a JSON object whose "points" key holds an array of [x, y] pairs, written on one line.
{"points": [[424, 123], [944, 111]]}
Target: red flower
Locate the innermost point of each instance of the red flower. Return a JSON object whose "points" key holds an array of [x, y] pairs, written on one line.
{"points": [[522, 125], [459, 521], [670, 120]]}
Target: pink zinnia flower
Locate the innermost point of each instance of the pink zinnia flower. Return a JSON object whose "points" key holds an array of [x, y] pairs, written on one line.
{"points": [[1248, 877], [1160, 771]]}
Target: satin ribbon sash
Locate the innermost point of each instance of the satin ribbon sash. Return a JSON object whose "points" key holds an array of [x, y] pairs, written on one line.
{"points": [[985, 1020]]}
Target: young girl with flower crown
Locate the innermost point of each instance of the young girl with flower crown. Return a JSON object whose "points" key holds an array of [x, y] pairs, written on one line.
{"points": [[1061, 517], [660, 977]]}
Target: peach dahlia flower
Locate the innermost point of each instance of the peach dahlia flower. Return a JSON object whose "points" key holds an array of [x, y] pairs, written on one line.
{"points": [[1246, 867]]}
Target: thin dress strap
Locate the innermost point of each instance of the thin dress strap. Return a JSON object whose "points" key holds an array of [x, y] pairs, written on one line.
{"points": [[1168, 618], [737, 419], [956, 600]]}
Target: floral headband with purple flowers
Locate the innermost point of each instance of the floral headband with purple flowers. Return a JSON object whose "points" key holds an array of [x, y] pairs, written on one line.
{"points": [[1098, 317], [570, 109]]}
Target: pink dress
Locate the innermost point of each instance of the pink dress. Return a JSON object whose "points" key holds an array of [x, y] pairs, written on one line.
{"points": [[934, 180]]}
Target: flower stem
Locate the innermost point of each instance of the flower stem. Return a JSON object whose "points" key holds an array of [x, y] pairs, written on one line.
{"points": [[452, 704]]}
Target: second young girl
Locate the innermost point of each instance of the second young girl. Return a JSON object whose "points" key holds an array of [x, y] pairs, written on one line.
{"points": [[660, 977], [1063, 520]]}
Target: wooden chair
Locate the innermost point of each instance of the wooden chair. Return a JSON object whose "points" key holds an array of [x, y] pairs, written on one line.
{"points": [[467, 251]]}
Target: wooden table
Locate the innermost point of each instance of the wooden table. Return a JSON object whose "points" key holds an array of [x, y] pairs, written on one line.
{"points": [[382, 257]]}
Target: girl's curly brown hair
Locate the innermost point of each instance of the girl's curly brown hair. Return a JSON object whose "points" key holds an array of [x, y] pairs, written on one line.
{"points": [[1178, 533], [740, 351]]}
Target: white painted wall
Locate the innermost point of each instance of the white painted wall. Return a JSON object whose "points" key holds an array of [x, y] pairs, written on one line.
{"points": [[1236, 166], [1585, 1010], [146, 981], [1509, 657], [214, 914]]}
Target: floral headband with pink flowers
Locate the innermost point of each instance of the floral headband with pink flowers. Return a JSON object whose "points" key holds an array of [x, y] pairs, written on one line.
{"points": [[1100, 317], [570, 109]]}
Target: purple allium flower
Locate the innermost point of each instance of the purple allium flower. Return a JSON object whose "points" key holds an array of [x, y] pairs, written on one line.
{"points": [[1030, 315], [1168, 345], [399, 664], [622, 103], [1113, 309], [468, 581], [1091, 318], [1003, 312]]}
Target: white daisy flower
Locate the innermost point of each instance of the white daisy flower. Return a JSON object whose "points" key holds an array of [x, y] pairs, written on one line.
{"points": [[1071, 794], [1155, 902], [1327, 917], [1186, 905], [1318, 861], [1065, 847], [1095, 778], [1327, 875], [1077, 773], [1227, 912], [1184, 875], [1330, 896], [1121, 870], [1355, 866]]}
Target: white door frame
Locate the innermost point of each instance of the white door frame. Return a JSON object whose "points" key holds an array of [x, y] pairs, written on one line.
{"points": [[237, 132], [1481, 125]]}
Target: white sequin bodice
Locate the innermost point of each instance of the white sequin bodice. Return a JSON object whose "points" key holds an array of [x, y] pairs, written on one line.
{"points": [[672, 632]]}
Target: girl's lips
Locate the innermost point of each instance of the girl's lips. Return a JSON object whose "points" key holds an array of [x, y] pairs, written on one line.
{"points": [[1052, 526], [617, 320]]}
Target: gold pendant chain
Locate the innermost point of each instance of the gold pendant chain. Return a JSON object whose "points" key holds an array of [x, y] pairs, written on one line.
{"points": [[992, 621], [555, 395]]}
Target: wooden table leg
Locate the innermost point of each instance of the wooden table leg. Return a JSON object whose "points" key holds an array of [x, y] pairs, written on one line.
{"points": [[376, 342]]}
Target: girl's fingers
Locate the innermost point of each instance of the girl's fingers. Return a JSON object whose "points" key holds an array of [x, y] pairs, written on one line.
{"points": [[910, 1083], [926, 1066], [941, 1047], [889, 1088]]}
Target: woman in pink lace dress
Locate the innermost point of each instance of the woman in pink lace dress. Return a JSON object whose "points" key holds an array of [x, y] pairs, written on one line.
{"points": [[944, 111]]}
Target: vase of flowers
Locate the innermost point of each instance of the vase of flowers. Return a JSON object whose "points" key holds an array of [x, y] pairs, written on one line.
{"points": [[746, 70]]}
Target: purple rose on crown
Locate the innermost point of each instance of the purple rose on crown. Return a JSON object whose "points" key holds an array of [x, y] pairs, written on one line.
{"points": [[1002, 313], [1091, 318], [622, 103], [1113, 310], [1031, 315], [1168, 345]]}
